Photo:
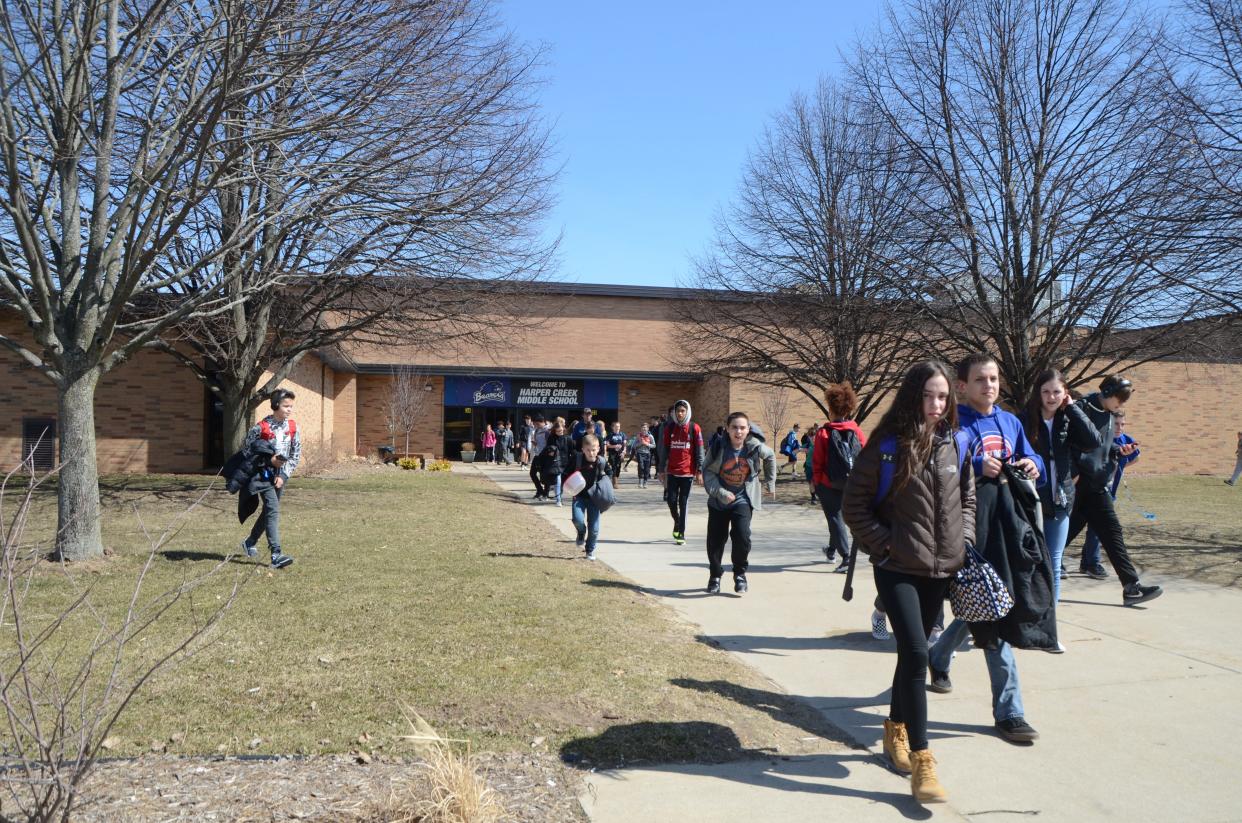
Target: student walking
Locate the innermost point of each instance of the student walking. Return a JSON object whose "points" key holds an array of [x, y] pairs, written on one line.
{"points": [[538, 442], [731, 478], [993, 438], [836, 446], [1237, 465], [790, 446], [557, 454], [680, 459], [915, 532], [489, 443], [586, 512], [1059, 432], [616, 451], [642, 449], [1093, 505], [280, 430], [587, 425], [524, 436], [504, 443], [1090, 564]]}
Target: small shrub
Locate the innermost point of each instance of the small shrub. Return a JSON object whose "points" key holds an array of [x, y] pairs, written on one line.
{"points": [[439, 466], [409, 463]]}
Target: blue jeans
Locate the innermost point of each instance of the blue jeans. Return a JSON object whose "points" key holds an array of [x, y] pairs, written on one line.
{"points": [[1002, 669], [586, 520], [558, 488], [1056, 529], [268, 521]]}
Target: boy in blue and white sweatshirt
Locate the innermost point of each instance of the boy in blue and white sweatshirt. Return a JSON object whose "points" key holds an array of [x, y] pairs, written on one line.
{"points": [[995, 437]]}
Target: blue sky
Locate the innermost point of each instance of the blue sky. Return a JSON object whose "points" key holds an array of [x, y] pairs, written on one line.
{"points": [[655, 106]]}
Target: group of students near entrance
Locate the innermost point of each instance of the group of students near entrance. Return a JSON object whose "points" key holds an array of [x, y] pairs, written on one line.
{"points": [[935, 480]]}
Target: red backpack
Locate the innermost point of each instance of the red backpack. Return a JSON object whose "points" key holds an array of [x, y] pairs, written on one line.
{"points": [[267, 433]]}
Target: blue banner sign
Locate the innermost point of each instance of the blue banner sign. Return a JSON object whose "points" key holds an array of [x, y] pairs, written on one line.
{"points": [[533, 393]]}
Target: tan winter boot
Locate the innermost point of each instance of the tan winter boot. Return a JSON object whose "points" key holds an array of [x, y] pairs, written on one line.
{"points": [[897, 746], [924, 785]]}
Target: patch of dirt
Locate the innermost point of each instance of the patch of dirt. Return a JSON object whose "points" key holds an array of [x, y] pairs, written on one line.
{"points": [[351, 467], [534, 788]]}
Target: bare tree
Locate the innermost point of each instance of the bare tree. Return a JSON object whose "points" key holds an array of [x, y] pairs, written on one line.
{"points": [[109, 120], [402, 165], [1052, 204], [798, 280], [60, 701], [774, 406], [1208, 79], [404, 404]]}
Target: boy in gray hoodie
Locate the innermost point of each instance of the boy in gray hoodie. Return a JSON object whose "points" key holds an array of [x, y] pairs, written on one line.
{"points": [[731, 477]]}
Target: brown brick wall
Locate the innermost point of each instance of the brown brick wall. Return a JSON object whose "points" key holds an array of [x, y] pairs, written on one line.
{"points": [[428, 435], [313, 382], [149, 413], [654, 397], [344, 414]]}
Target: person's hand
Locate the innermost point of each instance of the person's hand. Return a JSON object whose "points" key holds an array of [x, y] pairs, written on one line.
{"points": [[991, 467], [660, 477], [729, 495], [1028, 465], [1128, 449], [279, 482], [698, 478]]}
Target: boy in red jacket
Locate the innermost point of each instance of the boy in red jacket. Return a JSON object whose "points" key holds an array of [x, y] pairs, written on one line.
{"points": [[679, 464], [838, 438]]}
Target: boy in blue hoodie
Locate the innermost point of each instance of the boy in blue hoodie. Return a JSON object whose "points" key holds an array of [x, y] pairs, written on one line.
{"points": [[996, 437]]}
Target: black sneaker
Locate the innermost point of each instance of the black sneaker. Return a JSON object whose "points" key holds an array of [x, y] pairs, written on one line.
{"points": [[843, 567], [739, 583], [1096, 572], [940, 682], [679, 538], [713, 585], [581, 541], [1134, 594], [1017, 730], [1064, 574], [280, 560]]}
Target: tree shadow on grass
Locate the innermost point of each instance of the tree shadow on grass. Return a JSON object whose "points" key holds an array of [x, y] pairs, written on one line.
{"points": [[687, 746]]}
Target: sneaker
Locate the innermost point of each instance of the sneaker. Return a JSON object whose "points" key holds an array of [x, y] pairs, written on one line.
{"points": [[581, 541], [879, 626], [1017, 730], [842, 567], [713, 585], [934, 636], [940, 682], [1096, 572], [1060, 648], [827, 550], [739, 583], [591, 554], [679, 538], [281, 560], [1134, 594], [1064, 574], [559, 503], [250, 551], [1228, 482]]}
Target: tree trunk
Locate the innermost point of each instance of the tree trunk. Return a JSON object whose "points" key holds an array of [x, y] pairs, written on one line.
{"points": [[78, 534], [238, 412]]}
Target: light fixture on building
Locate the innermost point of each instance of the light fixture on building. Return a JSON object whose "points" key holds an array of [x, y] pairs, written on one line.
{"points": [[633, 392], [428, 387]]}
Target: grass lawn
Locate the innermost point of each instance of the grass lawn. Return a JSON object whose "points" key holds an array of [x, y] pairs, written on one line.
{"points": [[1196, 533], [435, 591]]}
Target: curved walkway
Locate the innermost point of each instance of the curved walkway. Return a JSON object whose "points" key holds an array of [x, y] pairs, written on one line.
{"points": [[1137, 720]]}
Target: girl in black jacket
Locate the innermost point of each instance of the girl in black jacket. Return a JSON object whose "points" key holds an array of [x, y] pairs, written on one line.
{"points": [[557, 454], [1059, 432]]}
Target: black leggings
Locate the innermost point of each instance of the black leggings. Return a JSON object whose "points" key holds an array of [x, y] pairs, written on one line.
{"points": [[912, 603]]}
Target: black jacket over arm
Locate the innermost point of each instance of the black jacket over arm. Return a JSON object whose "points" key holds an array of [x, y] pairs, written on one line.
{"points": [[245, 475]]}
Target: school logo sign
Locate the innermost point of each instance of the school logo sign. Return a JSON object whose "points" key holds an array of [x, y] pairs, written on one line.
{"points": [[493, 391]]}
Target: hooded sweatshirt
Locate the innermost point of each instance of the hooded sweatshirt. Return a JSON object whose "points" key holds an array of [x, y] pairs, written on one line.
{"points": [[755, 464], [681, 445], [998, 435], [819, 454]]}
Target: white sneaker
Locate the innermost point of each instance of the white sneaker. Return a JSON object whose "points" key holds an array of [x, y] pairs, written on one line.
{"points": [[879, 626], [1060, 649]]}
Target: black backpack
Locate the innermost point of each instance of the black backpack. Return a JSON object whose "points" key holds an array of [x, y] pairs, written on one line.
{"points": [[843, 447]]}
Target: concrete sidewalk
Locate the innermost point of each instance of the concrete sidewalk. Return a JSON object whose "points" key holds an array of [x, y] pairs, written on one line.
{"points": [[1136, 720]]}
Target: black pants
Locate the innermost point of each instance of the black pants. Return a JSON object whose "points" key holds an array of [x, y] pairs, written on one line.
{"points": [[1094, 508], [838, 533], [677, 495], [535, 471], [912, 603], [614, 460], [268, 521], [720, 522], [644, 465]]}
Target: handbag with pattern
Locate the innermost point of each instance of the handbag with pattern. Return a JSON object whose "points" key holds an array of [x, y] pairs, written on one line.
{"points": [[977, 593]]}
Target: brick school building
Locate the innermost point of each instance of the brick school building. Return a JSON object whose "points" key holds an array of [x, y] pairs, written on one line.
{"points": [[615, 349]]}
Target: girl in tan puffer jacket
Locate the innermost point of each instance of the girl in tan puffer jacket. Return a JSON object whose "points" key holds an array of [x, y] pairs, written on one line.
{"points": [[916, 536]]}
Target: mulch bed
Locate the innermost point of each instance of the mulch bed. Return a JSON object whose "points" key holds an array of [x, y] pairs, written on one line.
{"points": [[533, 787]]}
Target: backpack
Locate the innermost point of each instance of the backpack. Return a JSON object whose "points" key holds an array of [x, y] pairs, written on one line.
{"points": [[843, 447], [789, 447], [267, 433], [888, 462]]}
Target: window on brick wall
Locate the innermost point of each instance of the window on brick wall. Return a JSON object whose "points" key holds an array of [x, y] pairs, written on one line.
{"points": [[39, 441]]}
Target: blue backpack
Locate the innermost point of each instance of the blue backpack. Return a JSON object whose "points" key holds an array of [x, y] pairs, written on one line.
{"points": [[888, 462]]}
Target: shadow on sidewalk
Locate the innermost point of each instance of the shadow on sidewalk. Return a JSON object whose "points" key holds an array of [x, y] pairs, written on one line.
{"points": [[757, 644], [673, 593], [692, 747]]}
